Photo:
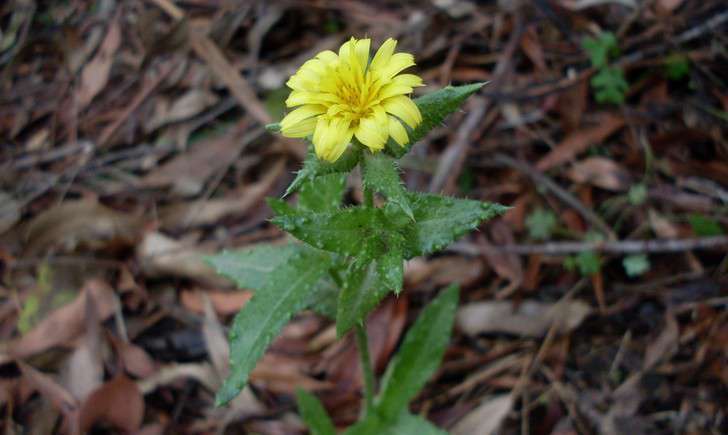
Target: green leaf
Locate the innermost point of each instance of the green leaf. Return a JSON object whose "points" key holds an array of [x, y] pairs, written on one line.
{"points": [[610, 85], [380, 174], [314, 414], [405, 424], [637, 194], [323, 298], [251, 268], [600, 49], [341, 231], [541, 224], [362, 290], [677, 66], [390, 264], [419, 356], [704, 226], [434, 107], [314, 167], [323, 193], [440, 220], [588, 262], [255, 326], [636, 265]]}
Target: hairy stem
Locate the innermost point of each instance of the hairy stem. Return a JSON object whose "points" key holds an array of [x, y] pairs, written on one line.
{"points": [[362, 342]]}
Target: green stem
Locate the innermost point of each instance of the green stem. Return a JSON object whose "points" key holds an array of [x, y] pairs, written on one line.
{"points": [[362, 342]]}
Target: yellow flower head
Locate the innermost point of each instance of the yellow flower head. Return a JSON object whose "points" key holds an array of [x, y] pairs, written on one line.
{"points": [[345, 95]]}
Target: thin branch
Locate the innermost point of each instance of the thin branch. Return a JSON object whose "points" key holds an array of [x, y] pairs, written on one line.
{"points": [[610, 247]]}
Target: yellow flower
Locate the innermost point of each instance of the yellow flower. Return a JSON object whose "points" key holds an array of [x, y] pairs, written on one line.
{"points": [[338, 97]]}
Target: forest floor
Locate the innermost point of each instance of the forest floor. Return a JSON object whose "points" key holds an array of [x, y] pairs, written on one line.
{"points": [[132, 144]]}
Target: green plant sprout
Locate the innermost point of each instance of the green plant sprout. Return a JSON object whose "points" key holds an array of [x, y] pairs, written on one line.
{"points": [[609, 83], [348, 258]]}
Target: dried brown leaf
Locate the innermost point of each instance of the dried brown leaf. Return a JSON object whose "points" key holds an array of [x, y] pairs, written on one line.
{"points": [[160, 255], [65, 323], [579, 141], [529, 318], [600, 172], [95, 74], [84, 222], [118, 403], [486, 418], [224, 302]]}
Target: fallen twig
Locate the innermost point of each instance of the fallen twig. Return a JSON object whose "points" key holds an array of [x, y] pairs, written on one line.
{"points": [[610, 247]]}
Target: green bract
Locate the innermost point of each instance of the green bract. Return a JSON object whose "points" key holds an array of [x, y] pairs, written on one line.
{"points": [[350, 258]]}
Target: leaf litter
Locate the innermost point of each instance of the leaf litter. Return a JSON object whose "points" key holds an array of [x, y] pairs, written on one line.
{"points": [[128, 158]]}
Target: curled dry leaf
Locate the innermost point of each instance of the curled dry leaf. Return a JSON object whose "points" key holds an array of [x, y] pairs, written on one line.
{"points": [[600, 172], [530, 318], [665, 345], [118, 403], [95, 74], [188, 105], [135, 359], [160, 255], [224, 302], [579, 141], [437, 272], [75, 223], [486, 418], [65, 323], [84, 369], [9, 211], [197, 213], [188, 172]]}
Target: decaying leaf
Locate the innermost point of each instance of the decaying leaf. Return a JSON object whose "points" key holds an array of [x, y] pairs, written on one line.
{"points": [[95, 74], [160, 255], [529, 318], [84, 222], [486, 418], [600, 172], [118, 403], [65, 323]]}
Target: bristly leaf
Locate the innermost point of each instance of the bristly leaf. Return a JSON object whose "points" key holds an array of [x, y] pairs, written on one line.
{"points": [[314, 167], [420, 354], [434, 107], [250, 268], [404, 424], [362, 291], [390, 264], [441, 220], [314, 414], [322, 193], [341, 231], [380, 174], [262, 318]]}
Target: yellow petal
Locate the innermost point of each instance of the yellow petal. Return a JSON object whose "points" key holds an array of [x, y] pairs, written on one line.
{"points": [[327, 56], [362, 52], [403, 108], [298, 98], [302, 129], [397, 131], [331, 137], [397, 63], [346, 51], [392, 90], [290, 121], [373, 131], [408, 80], [381, 58]]}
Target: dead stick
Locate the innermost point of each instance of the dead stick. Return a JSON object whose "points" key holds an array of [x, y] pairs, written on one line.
{"points": [[611, 247]]}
